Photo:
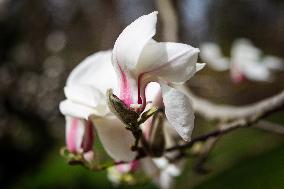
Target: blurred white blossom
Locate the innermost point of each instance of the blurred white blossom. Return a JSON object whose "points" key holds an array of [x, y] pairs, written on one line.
{"points": [[246, 61]]}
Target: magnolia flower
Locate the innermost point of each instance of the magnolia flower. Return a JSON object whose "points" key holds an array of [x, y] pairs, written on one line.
{"points": [[86, 107], [138, 59], [246, 61]]}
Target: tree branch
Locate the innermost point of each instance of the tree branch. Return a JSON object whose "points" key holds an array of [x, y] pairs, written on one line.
{"points": [[261, 110], [213, 111], [271, 127]]}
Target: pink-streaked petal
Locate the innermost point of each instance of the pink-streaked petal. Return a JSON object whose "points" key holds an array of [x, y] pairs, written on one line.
{"points": [[126, 52], [127, 88], [116, 140], [179, 111], [75, 128], [88, 139]]}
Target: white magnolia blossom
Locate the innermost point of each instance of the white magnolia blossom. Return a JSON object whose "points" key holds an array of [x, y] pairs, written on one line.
{"points": [[138, 59], [246, 61], [85, 91]]}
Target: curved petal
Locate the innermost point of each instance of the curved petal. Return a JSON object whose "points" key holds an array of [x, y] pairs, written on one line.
{"points": [[115, 138], [126, 52], [84, 95], [67, 107], [243, 49], [96, 70], [211, 54], [152, 90], [179, 111], [172, 62], [74, 133], [273, 62], [132, 40], [257, 72], [200, 66]]}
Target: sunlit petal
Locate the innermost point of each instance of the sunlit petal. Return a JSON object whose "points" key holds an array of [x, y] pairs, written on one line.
{"points": [[179, 111]]}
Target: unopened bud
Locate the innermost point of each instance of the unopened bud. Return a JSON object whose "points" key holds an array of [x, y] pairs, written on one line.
{"points": [[119, 108], [157, 138]]}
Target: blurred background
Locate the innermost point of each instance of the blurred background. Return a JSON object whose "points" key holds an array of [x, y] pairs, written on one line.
{"points": [[41, 41]]}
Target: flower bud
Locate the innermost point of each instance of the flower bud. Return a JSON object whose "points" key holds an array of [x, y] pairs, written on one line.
{"points": [[156, 137]]}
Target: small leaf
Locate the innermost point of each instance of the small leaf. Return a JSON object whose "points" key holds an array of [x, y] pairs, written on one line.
{"points": [[125, 114], [146, 115]]}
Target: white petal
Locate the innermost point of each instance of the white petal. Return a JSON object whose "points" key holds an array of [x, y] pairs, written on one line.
{"points": [[116, 140], [166, 180], [173, 170], [273, 62], [132, 40], [173, 62], [211, 54], [152, 91], [96, 70], [167, 171], [257, 72], [84, 95], [126, 52], [200, 66], [179, 111], [70, 108], [243, 49], [161, 163]]}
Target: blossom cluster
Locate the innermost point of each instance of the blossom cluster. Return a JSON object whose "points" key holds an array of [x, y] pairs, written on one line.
{"points": [[143, 75], [133, 98]]}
